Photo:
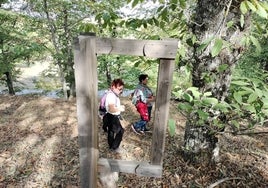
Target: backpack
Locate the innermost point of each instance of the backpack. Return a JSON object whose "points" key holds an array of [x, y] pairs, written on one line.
{"points": [[102, 108], [136, 97]]}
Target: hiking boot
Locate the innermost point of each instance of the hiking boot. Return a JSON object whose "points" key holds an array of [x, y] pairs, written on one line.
{"points": [[136, 131], [146, 130]]}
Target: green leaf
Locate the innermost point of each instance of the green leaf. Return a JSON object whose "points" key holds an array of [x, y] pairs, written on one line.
{"points": [[221, 107], [235, 106], [265, 102], [160, 8], [217, 47], [185, 107], [223, 67], [177, 93], [193, 39], [182, 51], [202, 115], [204, 44], [207, 94], [210, 101], [265, 112], [187, 97], [248, 89], [156, 22], [134, 3], [172, 127], [265, 93], [235, 123], [183, 4], [251, 6], [259, 92], [227, 105], [174, 1], [242, 93], [230, 24], [243, 7], [265, 5], [239, 83], [250, 108], [164, 14], [252, 97], [242, 20], [256, 43], [195, 92], [238, 97], [261, 11], [145, 25]]}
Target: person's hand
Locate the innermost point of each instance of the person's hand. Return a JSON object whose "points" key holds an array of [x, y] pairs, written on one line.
{"points": [[105, 129], [122, 108], [152, 98]]}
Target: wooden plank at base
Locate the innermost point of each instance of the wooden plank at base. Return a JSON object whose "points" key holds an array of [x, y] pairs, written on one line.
{"points": [[132, 167]]}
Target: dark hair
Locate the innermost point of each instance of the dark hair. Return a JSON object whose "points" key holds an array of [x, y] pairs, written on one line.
{"points": [[118, 82], [143, 77]]}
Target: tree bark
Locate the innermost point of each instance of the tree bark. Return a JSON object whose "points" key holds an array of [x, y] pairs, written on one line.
{"points": [[108, 75], [200, 145], [9, 83], [211, 20], [67, 49]]}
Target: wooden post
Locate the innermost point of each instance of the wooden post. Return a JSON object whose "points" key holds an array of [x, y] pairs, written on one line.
{"points": [[86, 89], [85, 50], [133, 167], [164, 83]]}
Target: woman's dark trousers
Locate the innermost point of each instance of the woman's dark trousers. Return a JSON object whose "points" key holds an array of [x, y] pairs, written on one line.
{"points": [[115, 130]]}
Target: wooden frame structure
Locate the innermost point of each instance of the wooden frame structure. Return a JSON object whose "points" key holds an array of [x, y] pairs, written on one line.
{"points": [[85, 49]]}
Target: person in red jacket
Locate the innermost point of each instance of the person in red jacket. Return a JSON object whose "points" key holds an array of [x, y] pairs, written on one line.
{"points": [[142, 99]]}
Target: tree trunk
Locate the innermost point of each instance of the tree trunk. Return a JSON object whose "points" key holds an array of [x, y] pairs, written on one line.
{"points": [[9, 83], [64, 53], [211, 20], [68, 50], [65, 86], [108, 75], [200, 145]]}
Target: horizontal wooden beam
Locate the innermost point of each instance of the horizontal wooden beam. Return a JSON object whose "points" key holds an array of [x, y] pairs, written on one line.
{"points": [[133, 167], [166, 49]]}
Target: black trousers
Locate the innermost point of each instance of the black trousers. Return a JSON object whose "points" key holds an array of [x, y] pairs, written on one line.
{"points": [[112, 125]]}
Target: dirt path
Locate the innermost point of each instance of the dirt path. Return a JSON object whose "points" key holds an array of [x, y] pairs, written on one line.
{"points": [[29, 75]]}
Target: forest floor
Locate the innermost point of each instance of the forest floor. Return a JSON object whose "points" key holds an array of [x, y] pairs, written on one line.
{"points": [[39, 148]]}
